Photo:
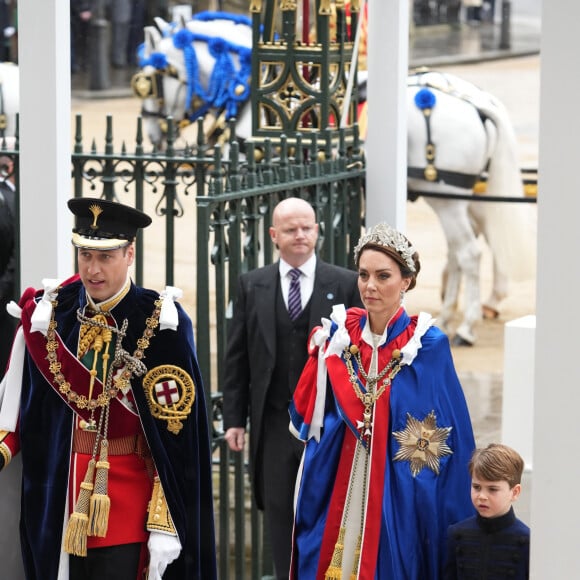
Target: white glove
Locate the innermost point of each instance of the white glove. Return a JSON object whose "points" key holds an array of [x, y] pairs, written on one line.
{"points": [[163, 549]]}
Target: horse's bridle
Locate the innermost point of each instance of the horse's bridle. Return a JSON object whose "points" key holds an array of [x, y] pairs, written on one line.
{"points": [[220, 102], [149, 85]]}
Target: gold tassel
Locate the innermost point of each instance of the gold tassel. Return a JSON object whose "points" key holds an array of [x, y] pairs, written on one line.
{"points": [[97, 347], [107, 335], [100, 504], [75, 537], [354, 573], [334, 571]]}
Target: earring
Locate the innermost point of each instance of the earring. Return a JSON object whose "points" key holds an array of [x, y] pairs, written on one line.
{"points": [[402, 295]]}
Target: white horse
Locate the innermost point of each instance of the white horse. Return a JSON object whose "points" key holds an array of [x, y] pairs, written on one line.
{"points": [[456, 132], [198, 69], [9, 98]]}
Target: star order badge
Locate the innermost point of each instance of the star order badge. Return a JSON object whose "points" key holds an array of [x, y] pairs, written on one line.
{"points": [[422, 443], [170, 393]]}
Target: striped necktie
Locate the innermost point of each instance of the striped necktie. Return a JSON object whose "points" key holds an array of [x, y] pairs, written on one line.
{"points": [[294, 299]]}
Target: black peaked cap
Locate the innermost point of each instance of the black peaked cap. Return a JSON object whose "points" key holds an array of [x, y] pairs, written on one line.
{"points": [[103, 224]]}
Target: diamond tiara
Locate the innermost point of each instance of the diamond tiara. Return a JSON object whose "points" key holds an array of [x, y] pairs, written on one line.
{"points": [[386, 236]]}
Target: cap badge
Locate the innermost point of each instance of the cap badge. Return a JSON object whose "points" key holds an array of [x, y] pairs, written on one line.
{"points": [[96, 210]]}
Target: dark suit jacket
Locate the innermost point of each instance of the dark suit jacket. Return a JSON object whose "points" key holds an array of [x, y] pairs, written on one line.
{"points": [[251, 350], [7, 270]]}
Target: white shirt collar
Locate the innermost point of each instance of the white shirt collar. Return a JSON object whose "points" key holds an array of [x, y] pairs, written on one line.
{"points": [[307, 269]]}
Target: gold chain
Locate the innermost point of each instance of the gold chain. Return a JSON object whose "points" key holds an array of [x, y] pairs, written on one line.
{"points": [[370, 397], [120, 382]]}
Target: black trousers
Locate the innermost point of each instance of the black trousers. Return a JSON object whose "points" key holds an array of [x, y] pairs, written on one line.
{"points": [[113, 563], [282, 454]]}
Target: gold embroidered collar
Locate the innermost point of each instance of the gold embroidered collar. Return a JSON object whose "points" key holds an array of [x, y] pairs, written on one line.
{"points": [[108, 305]]}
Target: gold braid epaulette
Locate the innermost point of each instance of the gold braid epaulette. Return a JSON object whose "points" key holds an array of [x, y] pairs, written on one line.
{"points": [[121, 382], [159, 518]]}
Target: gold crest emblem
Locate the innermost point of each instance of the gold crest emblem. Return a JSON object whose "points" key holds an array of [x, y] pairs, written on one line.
{"points": [[170, 393]]}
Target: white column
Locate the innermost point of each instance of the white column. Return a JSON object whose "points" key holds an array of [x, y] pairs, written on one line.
{"points": [[555, 511], [386, 143], [45, 139], [517, 416], [45, 183]]}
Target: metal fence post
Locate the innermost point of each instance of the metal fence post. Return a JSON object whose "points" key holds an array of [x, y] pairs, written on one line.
{"points": [[99, 48], [505, 32]]}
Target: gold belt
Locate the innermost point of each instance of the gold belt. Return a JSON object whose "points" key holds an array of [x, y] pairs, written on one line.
{"points": [[84, 442]]}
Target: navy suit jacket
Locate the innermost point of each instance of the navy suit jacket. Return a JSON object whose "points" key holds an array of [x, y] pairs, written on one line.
{"points": [[488, 548]]}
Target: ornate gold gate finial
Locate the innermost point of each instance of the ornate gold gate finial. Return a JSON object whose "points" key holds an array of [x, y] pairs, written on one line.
{"points": [[255, 6], [286, 5], [324, 8]]}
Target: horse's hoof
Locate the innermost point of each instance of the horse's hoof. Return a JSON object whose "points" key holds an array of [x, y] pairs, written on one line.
{"points": [[460, 341], [489, 313]]}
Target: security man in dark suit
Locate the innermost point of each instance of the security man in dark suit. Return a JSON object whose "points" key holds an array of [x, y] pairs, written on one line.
{"points": [[266, 352], [7, 256]]}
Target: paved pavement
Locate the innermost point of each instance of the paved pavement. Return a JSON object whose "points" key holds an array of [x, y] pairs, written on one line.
{"points": [[474, 54], [437, 46]]}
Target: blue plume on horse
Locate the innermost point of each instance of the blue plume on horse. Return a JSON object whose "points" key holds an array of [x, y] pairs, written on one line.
{"points": [[425, 99], [217, 47], [183, 38], [222, 89], [208, 15], [227, 88], [157, 60]]}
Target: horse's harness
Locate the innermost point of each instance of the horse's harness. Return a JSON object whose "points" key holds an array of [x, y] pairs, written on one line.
{"points": [[224, 95], [149, 85], [425, 101]]}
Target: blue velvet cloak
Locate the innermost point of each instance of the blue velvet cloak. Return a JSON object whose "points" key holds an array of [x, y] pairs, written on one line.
{"points": [[412, 511], [183, 460]]}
